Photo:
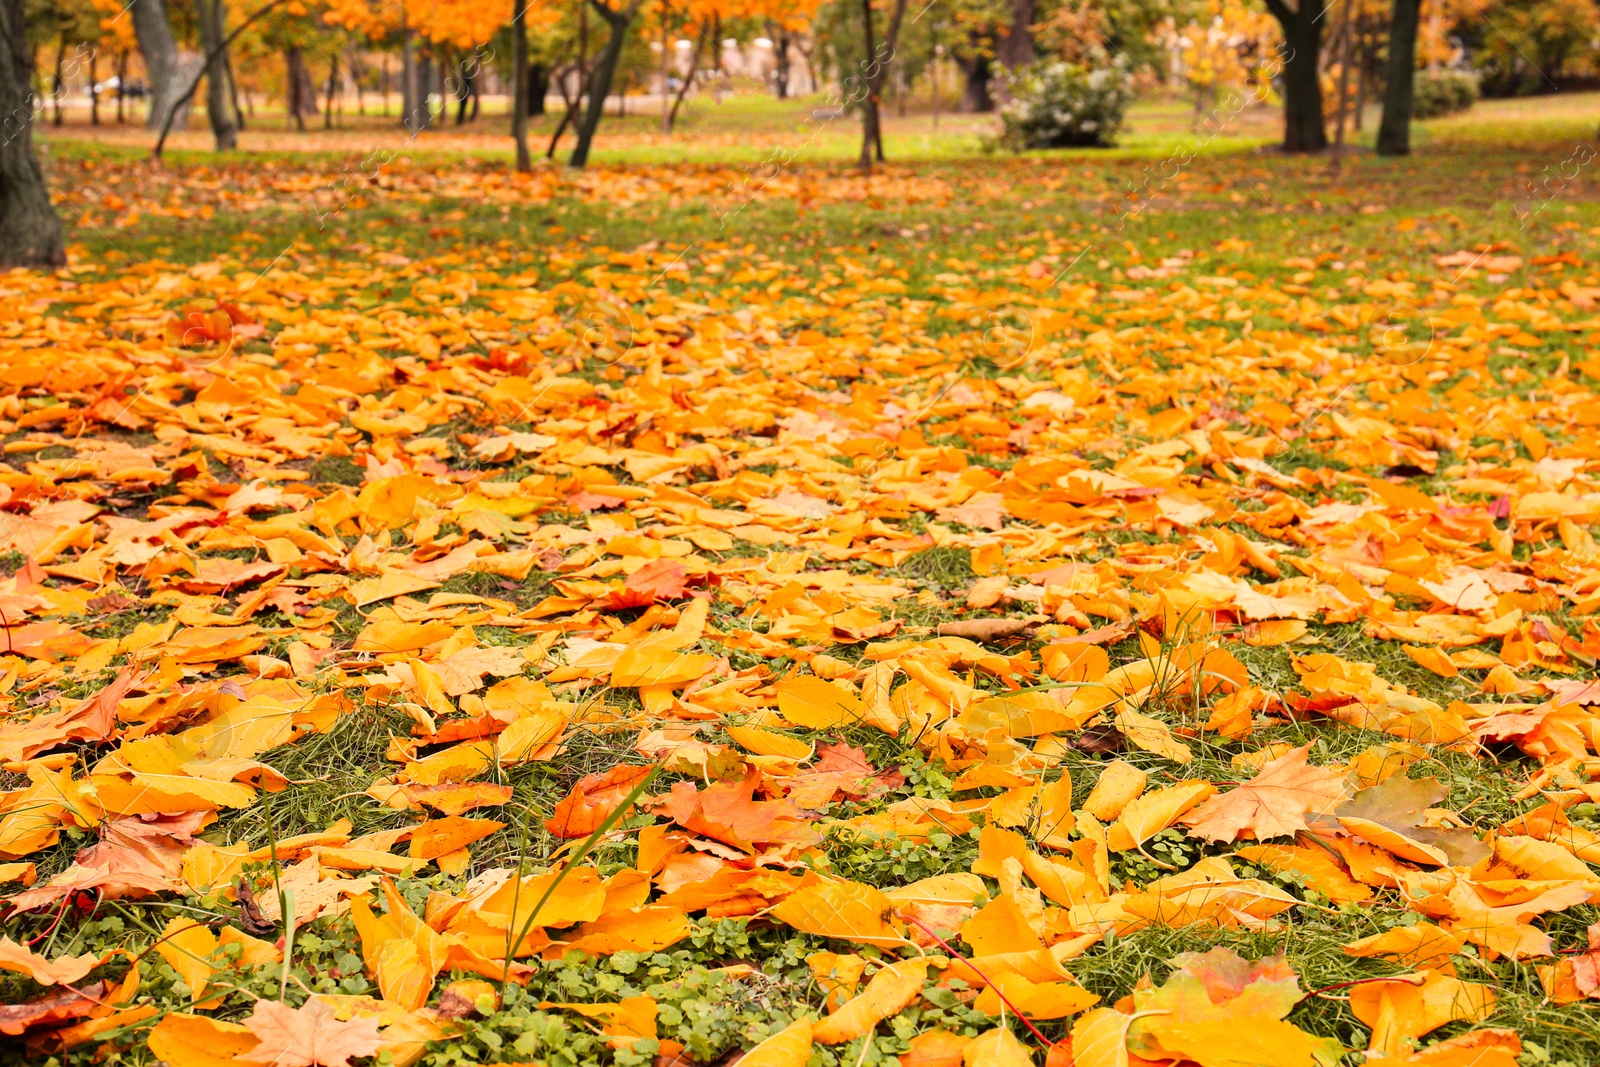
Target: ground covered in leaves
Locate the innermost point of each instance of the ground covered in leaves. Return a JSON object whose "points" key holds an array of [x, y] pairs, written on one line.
{"points": [[650, 616]]}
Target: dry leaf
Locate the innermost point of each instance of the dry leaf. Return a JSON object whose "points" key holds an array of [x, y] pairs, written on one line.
{"points": [[308, 1035]]}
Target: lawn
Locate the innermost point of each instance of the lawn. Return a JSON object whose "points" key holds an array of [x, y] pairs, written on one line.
{"points": [[616, 616]]}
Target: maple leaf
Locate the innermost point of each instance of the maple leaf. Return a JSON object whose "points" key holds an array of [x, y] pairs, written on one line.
{"points": [[726, 811], [134, 857], [1211, 999], [1272, 804], [592, 800], [841, 771], [308, 1036], [658, 580]]}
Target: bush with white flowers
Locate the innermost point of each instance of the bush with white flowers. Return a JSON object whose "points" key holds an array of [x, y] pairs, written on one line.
{"points": [[1065, 105]]}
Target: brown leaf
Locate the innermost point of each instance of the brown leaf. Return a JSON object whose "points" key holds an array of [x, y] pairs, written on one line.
{"points": [[250, 918], [55, 1007], [988, 630]]}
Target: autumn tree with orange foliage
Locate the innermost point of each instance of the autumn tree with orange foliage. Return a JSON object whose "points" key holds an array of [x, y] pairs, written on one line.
{"points": [[460, 24]]}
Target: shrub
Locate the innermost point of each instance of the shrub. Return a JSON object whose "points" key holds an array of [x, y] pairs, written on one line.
{"points": [[1065, 105], [1443, 92]]}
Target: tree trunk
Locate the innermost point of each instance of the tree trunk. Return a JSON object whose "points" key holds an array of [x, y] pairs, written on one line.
{"points": [[688, 81], [94, 88], [1303, 126], [605, 68], [976, 77], [1394, 131], [464, 92], [333, 84], [30, 232], [521, 84], [233, 92], [412, 116], [781, 68], [57, 90], [666, 75], [538, 88], [1344, 82], [358, 72], [1015, 48], [302, 90], [160, 51], [716, 55], [1363, 74], [219, 91], [122, 86], [427, 83], [870, 118]]}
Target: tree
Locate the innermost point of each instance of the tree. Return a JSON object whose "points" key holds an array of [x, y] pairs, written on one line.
{"points": [[426, 29], [30, 232], [605, 69], [1303, 127], [874, 72], [1015, 47], [785, 21], [160, 51], [1222, 50], [219, 83], [1394, 132], [521, 85], [218, 52], [1526, 46]]}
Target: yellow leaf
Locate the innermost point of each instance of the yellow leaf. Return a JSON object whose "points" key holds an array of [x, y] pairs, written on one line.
{"points": [[1119, 784], [1434, 658], [1100, 1039], [1150, 814], [182, 1040], [809, 701], [789, 1047], [886, 994], [1249, 1041], [656, 661], [187, 947], [1152, 735], [996, 1048], [1398, 1010], [848, 911], [767, 743], [1035, 1000]]}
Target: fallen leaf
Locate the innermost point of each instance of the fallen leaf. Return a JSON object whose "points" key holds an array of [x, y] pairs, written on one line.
{"points": [[308, 1035], [1272, 804]]}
